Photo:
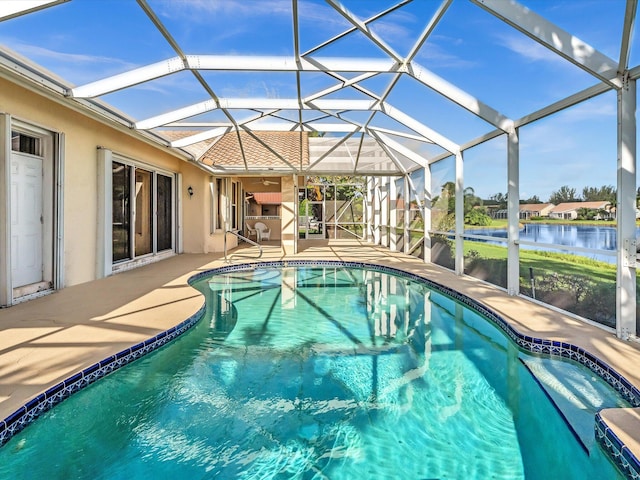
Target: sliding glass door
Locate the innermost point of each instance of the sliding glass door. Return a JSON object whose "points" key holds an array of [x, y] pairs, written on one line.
{"points": [[121, 182], [164, 215], [143, 210]]}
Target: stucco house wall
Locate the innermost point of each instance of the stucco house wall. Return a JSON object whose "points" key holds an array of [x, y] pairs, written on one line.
{"points": [[83, 135]]}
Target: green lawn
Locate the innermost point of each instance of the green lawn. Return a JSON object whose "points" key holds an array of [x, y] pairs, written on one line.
{"points": [[547, 262], [574, 283]]}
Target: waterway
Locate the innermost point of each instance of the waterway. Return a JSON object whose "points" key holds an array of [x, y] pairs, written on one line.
{"points": [[600, 239]]}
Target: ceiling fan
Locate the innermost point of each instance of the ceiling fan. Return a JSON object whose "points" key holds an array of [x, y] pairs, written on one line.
{"points": [[266, 182]]}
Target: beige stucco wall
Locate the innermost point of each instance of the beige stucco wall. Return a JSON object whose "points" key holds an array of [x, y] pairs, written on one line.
{"points": [[82, 137], [195, 210]]}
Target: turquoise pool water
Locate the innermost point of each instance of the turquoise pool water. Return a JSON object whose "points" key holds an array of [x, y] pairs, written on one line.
{"points": [[327, 373]]}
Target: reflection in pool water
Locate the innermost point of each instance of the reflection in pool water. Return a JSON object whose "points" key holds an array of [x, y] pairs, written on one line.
{"points": [[326, 373]]}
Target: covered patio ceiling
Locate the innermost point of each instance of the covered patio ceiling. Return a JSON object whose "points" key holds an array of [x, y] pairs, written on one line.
{"points": [[389, 86]]}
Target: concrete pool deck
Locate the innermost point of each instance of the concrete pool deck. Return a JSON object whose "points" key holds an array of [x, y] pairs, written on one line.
{"points": [[46, 340]]}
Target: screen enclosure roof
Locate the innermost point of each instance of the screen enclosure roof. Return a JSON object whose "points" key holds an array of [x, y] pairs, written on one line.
{"points": [[356, 87]]}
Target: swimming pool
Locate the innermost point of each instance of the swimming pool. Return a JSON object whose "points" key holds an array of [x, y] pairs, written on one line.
{"points": [[330, 372]]}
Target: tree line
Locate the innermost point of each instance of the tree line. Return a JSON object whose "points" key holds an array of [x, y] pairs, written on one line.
{"points": [[567, 194], [475, 211]]}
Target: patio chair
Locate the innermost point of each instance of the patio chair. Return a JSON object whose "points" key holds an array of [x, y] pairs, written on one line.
{"points": [[264, 232], [251, 231]]}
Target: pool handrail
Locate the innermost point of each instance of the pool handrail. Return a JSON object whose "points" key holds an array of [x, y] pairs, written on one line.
{"points": [[241, 237]]}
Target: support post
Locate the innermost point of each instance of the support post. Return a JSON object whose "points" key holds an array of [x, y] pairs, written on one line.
{"points": [[393, 214], [405, 224], [385, 190], [289, 215], [513, 213], [459, 228], [104, 243], [426, 214], [369, 209], [626, 212], [377, 211], [6, 290]]}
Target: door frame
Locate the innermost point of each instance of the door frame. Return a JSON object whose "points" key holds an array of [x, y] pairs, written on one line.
{"points": [[105, 266], [52, 191]]}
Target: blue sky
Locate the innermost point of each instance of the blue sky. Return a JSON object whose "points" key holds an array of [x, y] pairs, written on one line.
{"points": [[86, 40]]}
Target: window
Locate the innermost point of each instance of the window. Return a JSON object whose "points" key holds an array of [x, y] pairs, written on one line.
{"points": [[234, 205], [217, 206], [142, 216], [23, 143], [270, 210], [226, 204]]}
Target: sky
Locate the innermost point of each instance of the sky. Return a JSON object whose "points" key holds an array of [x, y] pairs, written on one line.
{"points": [[86, 40]]}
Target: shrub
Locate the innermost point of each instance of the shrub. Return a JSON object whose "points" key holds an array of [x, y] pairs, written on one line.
{"points": [[492, 270], [477, 216], [577, 294]]}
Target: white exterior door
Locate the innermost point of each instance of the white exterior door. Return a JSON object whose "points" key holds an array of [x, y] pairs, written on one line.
{"points": [[26, 219]]}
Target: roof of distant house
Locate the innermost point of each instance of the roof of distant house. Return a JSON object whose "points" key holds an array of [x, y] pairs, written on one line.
{"points": [[267, 198], [569, 206], [535, 207]]}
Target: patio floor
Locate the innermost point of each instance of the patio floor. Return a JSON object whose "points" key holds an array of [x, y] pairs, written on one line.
{"points": [[48, 339]]}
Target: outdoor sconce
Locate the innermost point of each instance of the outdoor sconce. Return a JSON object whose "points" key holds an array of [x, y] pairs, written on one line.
{"points": [[190, 191]]}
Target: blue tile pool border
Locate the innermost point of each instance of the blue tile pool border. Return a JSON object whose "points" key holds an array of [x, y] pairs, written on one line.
{"points": [[614, 447], [26, 414], [618, 451]]}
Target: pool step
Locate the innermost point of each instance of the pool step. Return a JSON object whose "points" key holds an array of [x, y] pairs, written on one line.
{"points": [[576, 397]]}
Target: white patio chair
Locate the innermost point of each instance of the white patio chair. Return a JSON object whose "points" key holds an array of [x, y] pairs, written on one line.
{"points": [[264, 232]]}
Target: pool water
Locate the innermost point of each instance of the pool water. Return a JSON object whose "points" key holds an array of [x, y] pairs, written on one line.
{"points": [[326, 373]]}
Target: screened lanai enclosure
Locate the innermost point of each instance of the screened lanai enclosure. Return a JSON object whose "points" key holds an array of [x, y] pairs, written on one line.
{"points": [[494, 138]]}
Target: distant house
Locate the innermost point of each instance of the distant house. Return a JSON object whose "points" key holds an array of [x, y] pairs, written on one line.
{"points": [[263, 204], [528, 210], [491, 209], [569, 210]]}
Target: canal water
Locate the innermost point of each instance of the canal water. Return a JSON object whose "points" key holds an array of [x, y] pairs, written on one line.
{"points": [[582, 236]]}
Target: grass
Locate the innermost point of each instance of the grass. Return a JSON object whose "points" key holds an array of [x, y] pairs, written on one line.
{"points": [[577, 284], [495, 223], [547, 262]]}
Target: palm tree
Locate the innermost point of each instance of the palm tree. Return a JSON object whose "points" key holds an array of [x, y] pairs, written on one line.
{"points": [[612, 207]]}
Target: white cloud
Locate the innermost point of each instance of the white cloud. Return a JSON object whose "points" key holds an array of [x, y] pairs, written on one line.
{"points": [[529, 49], [72, 67], [433, 54], [211, 12], [317, 15], [39, 54], [196, 8], [586, 111]]}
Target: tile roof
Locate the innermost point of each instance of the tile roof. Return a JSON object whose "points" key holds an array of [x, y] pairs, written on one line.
{"points": [[569, 206], [267, 198], [535, 207], [285, 150]]}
